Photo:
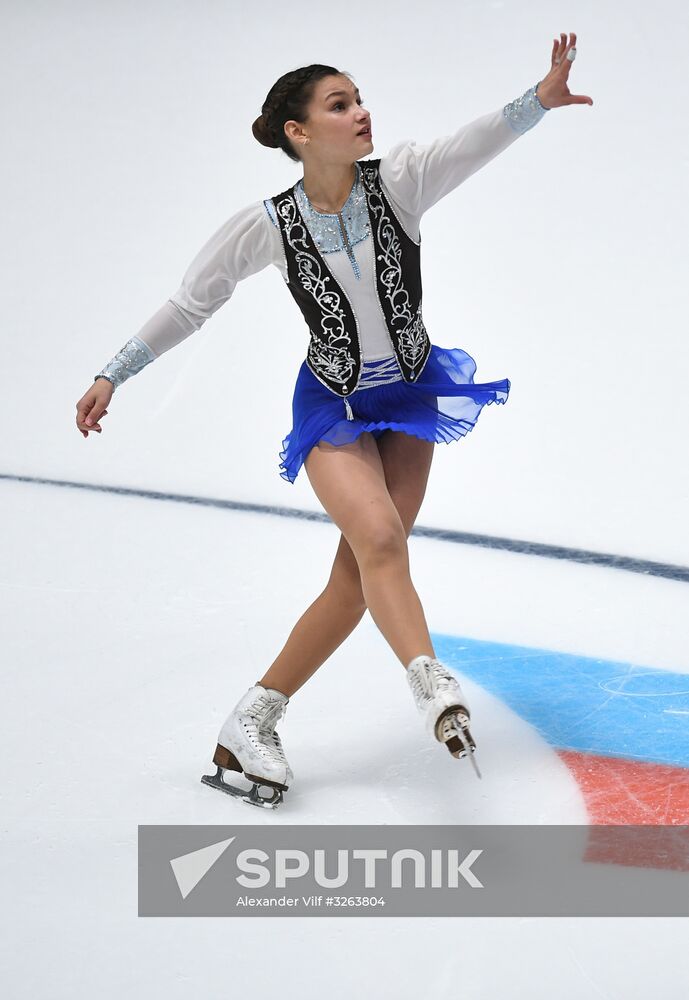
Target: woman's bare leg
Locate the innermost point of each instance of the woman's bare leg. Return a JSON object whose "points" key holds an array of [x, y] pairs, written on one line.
{"points": [[336, 612], [393, 472], [321, 629]]}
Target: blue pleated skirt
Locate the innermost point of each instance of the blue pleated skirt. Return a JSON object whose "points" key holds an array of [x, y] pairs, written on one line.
{"points": [[442, 406]]}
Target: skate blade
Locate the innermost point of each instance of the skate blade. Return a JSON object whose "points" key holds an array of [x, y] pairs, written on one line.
{"points": [[253, 796], [453, 730]]}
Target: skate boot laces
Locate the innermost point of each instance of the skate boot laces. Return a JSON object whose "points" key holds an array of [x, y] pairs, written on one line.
{"points": [[275, 711], [272, 716], [258, 719], [429, 678], [440, 678]]}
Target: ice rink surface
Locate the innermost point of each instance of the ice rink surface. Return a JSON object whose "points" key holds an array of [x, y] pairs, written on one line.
{"points": [[135, 612]]}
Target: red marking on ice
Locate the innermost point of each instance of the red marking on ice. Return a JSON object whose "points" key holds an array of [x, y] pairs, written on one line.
{"points": [[618, 791]]}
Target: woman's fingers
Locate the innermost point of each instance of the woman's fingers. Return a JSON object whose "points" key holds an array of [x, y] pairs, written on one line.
{"points": [[567, 64], [92, 415], [563, 48], [579, 99], [88, 416], [95, 414], [553, 55], [554, 87], [562, 44], [82, 413], [96, 426]]}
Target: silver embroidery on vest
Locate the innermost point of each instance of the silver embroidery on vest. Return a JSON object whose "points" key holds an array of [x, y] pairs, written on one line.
{"points": [[331, 353], [324, 227], [328, 354], [413, 343]]}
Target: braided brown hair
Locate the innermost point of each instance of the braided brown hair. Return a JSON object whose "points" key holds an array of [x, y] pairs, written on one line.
{"points": [[288, 100]]}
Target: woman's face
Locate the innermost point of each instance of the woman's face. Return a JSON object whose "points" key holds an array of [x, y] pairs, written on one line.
{"points": [[336, 119]]}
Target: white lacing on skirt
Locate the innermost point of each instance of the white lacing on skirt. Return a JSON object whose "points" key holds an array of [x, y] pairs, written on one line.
{"points": [[378, 372]]}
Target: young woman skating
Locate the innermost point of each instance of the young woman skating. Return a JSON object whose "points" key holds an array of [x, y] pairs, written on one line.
{"points": [[373, 395]]}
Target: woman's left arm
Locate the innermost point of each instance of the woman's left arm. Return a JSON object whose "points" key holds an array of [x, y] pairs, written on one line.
{"points": [[419, 176]]}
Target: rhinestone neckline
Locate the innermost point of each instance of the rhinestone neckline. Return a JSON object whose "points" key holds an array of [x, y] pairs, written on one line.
{"points": [[347, 204]]}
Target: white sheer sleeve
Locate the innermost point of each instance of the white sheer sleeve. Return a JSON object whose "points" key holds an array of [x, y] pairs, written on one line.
{"points": [[239, 248], [419, 176]]}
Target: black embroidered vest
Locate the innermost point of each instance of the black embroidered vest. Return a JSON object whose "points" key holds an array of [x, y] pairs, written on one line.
{"points": [[334, 353]]}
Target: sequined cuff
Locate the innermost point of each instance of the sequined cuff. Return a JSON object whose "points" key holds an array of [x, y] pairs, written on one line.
{"points": [[128, 361], [526, 111]]}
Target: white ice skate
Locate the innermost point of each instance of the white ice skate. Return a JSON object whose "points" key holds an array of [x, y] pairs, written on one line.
{"points": [[440, 699], [248, 743]]}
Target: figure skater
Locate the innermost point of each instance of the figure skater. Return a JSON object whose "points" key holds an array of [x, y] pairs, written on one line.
{"points": [[373, 395]]}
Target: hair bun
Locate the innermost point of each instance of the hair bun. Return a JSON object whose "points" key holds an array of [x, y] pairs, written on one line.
{"points": [[263, 133], [288, 100]]}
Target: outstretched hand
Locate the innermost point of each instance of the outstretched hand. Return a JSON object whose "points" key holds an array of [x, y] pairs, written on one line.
{"points": [[93, 406], [553, 91]]}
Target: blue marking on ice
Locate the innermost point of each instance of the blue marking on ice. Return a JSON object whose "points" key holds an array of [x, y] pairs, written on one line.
{"points": [[580, 703]]}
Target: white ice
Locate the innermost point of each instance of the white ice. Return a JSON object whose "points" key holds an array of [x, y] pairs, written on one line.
{"points": [[130, 626]]}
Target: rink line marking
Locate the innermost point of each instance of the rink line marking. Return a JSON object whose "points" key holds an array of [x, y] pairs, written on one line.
{"points": [[647, 567]]}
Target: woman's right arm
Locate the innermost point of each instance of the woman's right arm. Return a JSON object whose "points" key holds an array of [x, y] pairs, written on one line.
{"points": [[419, 176], [239, 248]]}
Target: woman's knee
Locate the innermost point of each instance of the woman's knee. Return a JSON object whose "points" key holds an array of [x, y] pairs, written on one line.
{"points": [[381, 542], [349, 480]]}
